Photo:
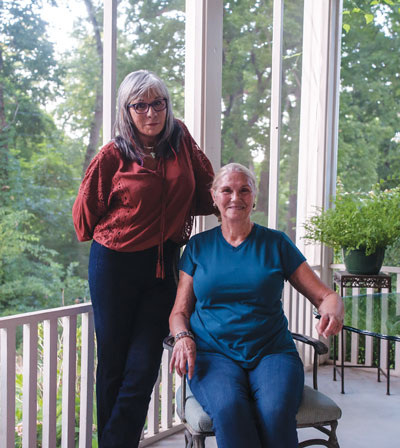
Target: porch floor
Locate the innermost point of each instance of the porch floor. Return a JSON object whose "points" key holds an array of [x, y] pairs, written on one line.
{"points": [[370, 417]]}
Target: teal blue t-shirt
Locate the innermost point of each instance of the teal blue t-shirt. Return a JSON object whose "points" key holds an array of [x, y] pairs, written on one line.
{"points": [[238, 310]]}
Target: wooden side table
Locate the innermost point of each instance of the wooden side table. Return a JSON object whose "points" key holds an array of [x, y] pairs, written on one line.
{"points": [[343, 279]]}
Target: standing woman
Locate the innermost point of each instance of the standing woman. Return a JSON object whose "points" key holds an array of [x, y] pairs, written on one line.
{"points": [[137, 202]]}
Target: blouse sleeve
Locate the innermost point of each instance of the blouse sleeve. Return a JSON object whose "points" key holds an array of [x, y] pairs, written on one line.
{"points": [[91, 202], [203, 174]]}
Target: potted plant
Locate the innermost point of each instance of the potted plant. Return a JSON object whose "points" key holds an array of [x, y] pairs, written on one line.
{"points": [[361, 224]]}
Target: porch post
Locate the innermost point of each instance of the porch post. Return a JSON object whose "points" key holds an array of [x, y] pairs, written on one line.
{"points": [[109, 67], [276, 115], [318, 120], [203, 80], [318, 134]]}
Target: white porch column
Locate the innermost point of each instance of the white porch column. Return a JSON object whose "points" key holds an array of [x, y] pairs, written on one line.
{"points": [[203, 80], [276, 115], [319, 119], [109, 67]]}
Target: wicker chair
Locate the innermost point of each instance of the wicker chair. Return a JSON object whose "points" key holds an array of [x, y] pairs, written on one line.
{"points": [[316, 409]]}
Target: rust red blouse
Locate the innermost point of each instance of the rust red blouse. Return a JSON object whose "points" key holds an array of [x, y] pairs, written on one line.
{"points": [[127, 207]]}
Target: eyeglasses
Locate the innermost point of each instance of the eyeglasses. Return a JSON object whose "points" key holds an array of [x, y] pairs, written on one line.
{"points": [[143, 108]]}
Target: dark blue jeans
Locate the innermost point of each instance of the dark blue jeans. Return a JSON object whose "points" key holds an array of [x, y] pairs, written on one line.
{"points": [[131, 309], [250, 407]]}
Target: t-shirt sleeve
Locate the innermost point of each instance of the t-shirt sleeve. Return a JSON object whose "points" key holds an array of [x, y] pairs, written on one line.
{"points": [[291, 256], [186, 263]]}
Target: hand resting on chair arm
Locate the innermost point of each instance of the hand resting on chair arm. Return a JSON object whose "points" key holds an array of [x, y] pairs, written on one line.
{"points": [[328, 303], [184, 353]]}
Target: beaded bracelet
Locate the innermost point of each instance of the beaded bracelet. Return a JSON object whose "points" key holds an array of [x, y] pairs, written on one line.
{"points": [[184, 334]]}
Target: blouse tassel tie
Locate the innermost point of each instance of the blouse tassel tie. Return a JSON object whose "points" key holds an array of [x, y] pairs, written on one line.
{"points": [[160, 270]]}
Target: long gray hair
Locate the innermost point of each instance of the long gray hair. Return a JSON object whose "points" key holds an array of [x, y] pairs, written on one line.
{"points": [[125, 134]]}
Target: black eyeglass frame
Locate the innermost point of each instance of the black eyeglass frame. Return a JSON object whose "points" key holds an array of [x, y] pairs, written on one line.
{"points": [[162, 100]]}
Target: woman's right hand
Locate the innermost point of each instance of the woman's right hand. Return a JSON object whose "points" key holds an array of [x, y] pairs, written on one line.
{"points": [[183, 357]]}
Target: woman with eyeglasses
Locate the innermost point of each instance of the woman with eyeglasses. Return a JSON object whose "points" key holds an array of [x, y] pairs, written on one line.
{"points": [[137, 201]]}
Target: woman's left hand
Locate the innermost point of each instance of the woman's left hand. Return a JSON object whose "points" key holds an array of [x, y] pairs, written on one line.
{"points": [[328, 302], [331, 311]]}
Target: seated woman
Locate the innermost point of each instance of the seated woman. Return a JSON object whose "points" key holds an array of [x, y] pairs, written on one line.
{"points": [[231, 335]]}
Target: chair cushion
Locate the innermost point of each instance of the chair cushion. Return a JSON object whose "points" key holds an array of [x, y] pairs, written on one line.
{"points": [[197, 418], [315, 408]]}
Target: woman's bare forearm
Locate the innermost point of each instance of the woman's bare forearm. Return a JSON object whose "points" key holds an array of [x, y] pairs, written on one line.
{"points": [[179, 319]]}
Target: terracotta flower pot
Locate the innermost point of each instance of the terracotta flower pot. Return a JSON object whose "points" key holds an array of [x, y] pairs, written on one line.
{"points": [[357, 262]]}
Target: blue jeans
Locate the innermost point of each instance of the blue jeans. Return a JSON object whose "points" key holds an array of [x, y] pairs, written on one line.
{"points": [[250, 407], [131, 309]]}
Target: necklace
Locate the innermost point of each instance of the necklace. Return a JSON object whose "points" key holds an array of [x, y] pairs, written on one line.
{"points": [[151, 153]]}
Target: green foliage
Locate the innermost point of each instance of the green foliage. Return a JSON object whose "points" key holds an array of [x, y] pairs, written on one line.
{"points": [[30, 276], [246, 96], [28, 75], [246, 79], [358, 220], [369, 143], [365, 11]]}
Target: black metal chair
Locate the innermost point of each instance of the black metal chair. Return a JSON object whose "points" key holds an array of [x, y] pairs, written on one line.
{"points": [[316, 409]]}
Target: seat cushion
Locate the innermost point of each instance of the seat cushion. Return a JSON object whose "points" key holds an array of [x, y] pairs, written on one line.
{"points": [[197, 418], [315, 408]]}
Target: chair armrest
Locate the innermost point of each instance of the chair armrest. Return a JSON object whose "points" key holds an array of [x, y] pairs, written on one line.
{"points": [[168, 343], [319, 349], [318, 346]]}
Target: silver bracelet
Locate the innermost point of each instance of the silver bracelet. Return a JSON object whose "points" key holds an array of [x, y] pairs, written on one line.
{"points": [[183, 334]]}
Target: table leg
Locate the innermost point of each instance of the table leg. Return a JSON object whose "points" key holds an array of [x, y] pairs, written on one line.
{"points": [[342, 360], [388, 368], [378, 351], [335, 353]]}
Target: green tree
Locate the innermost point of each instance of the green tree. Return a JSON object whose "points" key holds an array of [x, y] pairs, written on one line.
{"points": [[369, 147], [27, 75], [30, 276], [154, 39], [247, 58]]}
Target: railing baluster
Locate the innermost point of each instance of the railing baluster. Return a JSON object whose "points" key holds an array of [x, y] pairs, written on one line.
{"points": [[87, 381], [153, 419], [397, 346], [29, 394], [166, 391], [294, 298], [355, 338], [7, 390], [384, 344], [178, 383], [50, 383], [68, 382], [369, 352]]}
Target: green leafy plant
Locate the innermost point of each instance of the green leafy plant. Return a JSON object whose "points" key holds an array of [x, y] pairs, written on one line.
{"points": [[358, 220]]}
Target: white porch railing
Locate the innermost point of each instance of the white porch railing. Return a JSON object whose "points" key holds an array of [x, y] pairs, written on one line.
{"points": [[53, 352]]}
